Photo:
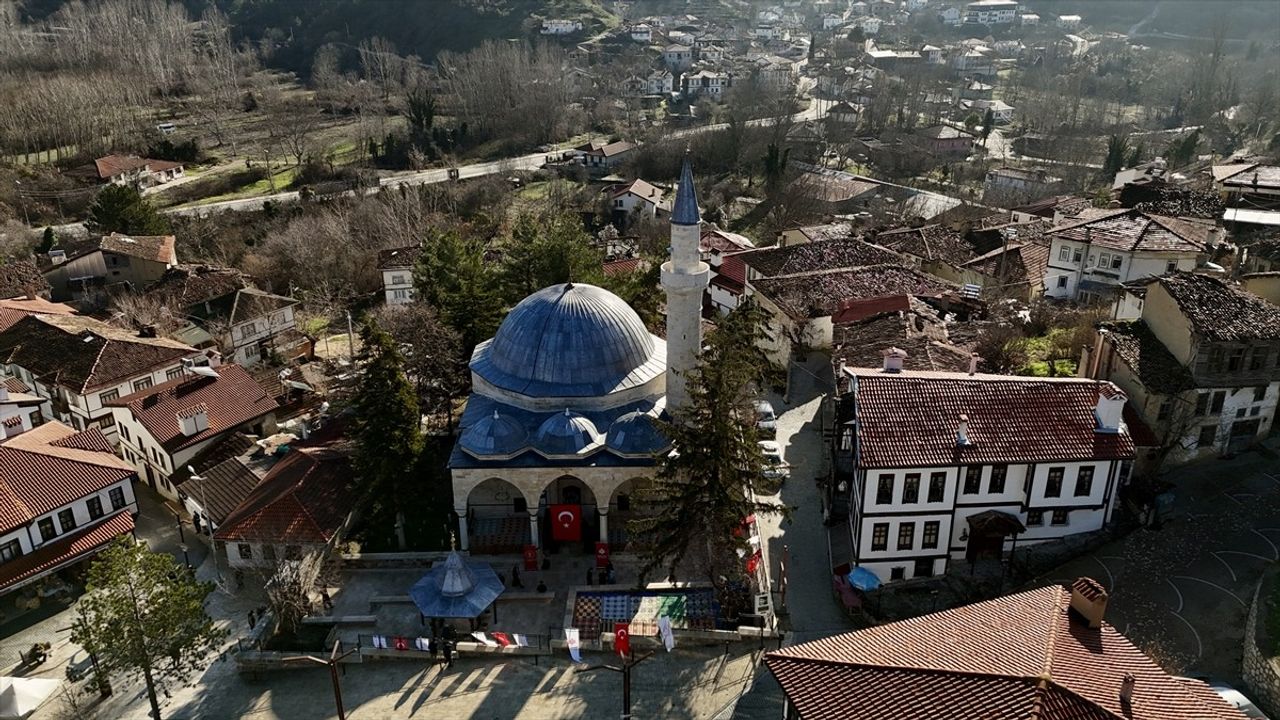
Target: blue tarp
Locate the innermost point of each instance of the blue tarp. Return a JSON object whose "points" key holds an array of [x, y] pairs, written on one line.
{"points": [[863, 579]]}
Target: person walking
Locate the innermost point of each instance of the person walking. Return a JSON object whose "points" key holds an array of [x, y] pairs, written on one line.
{"points": [[515, 577]]}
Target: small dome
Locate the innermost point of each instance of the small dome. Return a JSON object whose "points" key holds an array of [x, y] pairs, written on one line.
{"points": [[494, 436], [570, 340], [636, 434], [566, 433]]}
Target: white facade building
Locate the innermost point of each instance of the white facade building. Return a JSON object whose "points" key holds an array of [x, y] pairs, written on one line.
{"points": [[991, 12], [561, 27], [964, 467], [396, 266]]}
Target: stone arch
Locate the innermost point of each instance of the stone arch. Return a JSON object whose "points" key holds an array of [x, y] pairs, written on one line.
{"points": [[571, 489], [494, 516]]}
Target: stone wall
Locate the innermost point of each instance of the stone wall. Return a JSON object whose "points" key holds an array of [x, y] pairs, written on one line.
{"points": [[1261, 671]]}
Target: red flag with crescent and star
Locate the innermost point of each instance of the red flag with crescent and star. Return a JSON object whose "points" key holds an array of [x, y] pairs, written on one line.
{"points": [[602, 555], [566, 523], [622, 638]]}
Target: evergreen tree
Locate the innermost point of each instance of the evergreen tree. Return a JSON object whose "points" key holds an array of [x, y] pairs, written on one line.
{"points": [[988, 124], [142, 614], [642, 291], [386, 423], [122, 209], [421, 113], [1117, 151], [702, 492], [453, 277], [547, 249], [775, 166]]}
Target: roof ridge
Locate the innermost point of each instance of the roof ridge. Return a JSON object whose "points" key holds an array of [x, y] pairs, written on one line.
{"points": [[88, 376]]}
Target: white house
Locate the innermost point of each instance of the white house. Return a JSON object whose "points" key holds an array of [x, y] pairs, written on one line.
{"points": [[831, 21], [1068, 22], [560, 26], [163, 427], [1019, 183], [1029, 19], [396, 266], [642, 33], [950, 16], [677, 57], [1091, 257], [1201, 364], [965, 467], [80, 364], [67, 496], [705, 82], [607, 156], [916, 5], [19, 411], [637, 199], [991, 12], [659, 82], [867, 24], [132, 170]]}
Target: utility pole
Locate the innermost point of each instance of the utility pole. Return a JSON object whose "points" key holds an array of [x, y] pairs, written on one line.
{"points": [[332, 662], [351, 339], [627, 664]]}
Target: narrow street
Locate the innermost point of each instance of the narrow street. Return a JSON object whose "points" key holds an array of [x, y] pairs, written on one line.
{"points": [[812, 611]]}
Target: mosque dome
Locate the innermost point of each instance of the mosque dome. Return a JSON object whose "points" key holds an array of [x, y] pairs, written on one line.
{"points": [[566, 433], [494, 436], [570, 341], [636, 434]]}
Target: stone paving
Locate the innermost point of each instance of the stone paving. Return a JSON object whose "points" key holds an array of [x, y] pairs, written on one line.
{"points": [[1181, 593]]}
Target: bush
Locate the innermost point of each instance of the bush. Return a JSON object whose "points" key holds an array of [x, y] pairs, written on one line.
{"points": [[187, 151]]}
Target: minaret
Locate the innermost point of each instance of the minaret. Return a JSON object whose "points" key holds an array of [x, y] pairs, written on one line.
{"points": [[684, 277]]}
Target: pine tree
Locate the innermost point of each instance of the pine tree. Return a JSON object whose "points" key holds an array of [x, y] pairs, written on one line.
{"points": [[122, 209], [453, 277], [702, 492], [988, 124], [544, 250], [386, 424], [143, 615], [48, 241]]}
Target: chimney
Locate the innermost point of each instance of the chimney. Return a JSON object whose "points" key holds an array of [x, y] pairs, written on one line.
{"points": [[215, 357], [1110, 408], [194, 419], [893, 358], [973, 363], [1089, 601], [962, 432], [147, 331], [1126, 690]]}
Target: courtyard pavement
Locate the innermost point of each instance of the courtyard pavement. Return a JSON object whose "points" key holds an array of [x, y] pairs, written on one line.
{"points": [[1182, 593]]}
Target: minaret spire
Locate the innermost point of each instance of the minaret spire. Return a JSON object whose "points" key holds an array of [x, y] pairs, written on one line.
{"points": [[684, 277]]}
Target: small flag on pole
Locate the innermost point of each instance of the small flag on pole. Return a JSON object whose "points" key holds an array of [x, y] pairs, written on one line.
{"points": [[664, 629], [622, 639], [571, 639], [520, 640]]}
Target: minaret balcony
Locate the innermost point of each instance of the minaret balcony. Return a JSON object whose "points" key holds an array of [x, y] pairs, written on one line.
{"points": [[678, 281]]}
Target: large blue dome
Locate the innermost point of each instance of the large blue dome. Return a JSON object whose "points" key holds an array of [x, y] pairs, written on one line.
{"points": [[568, 341]]}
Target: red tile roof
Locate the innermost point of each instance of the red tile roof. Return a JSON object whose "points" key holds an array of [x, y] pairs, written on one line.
{"points": [[112, 165], [908, 420], [230, 400], [304, 498], [1020, 656], [13, 310], [66, 549], [53, 465], [723, 241], [622, 266]]}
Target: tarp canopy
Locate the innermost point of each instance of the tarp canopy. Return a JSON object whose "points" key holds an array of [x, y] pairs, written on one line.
{"points": [[456, 588], [19, 697], [863, 579], [994, 522]]}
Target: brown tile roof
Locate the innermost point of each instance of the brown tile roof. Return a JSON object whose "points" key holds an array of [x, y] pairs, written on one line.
{"points": [[50, 466], [221, 489], [252, 303], [623, 266], [1022, 656], [14, 385], [185, 285], [723, 241], [816, 295], [66, 549], [81, 353], [1134, 230], [1019, 263], [400, 257], [1012, 420], [1151, 362], [1221, 312], [112, 165], [20, 277], [918, 331], [817, 256], [644, 190], [1068, 205], [829, 231], [11, 311], [231, 399], [154, 248], [929, 242], [304, 498]]}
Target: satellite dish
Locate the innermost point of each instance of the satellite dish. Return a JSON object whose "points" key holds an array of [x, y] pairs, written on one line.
{"points": [[205, 371]]}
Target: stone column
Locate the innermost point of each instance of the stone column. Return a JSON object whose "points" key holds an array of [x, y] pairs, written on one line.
{"points": [[533, 528], [604, 525], [464, 538]]}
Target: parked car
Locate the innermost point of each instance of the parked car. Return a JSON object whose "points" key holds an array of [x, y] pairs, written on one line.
{"points": [[775, 467], [1233, 697], [766, 419]]}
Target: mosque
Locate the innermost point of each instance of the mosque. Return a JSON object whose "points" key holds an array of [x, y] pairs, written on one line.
{"points": [[557, 435]]}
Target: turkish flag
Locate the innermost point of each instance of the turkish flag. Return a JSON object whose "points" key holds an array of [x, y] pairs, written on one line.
{"points": [[530, 558], [602, 555], [622, 639], [753, 562], [566, 522]]}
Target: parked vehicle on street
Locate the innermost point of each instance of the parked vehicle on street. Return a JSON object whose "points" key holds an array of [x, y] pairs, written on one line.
{"points": [[766, 419], [775, 467]]}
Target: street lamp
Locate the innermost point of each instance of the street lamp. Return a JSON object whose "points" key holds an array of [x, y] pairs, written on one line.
{"points": [[332, 663], [627, 664], [185, 559]]}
